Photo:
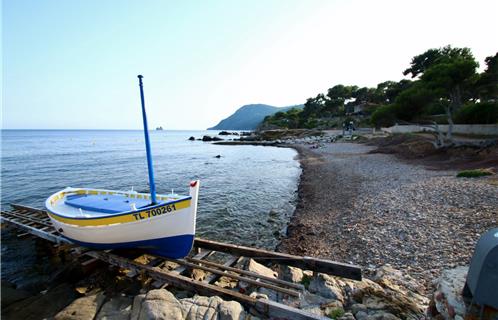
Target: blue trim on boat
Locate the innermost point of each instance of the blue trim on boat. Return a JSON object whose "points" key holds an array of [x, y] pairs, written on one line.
{"points": [[171, 247], [124, 213]]}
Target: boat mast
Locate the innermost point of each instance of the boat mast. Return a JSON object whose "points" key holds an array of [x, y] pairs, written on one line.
{"points": [[147, 144]]}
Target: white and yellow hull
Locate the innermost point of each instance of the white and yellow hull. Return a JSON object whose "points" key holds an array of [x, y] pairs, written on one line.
{"points": [[167, 228]]}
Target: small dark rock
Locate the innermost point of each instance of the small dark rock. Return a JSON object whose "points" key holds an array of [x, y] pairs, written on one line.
{"points": [[207, 138], [218, 156], [191, 138]]}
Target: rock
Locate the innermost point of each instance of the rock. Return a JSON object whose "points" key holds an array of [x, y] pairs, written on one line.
{"points": [[326, 286], [347, 316], [118, 308], [197, 274], [208, 138], [334, 308], [200, 307], [137, 306], [357, 307], [192, 138], [361, 315], [387, 272], [257, 295], [160, 304], [448, 298], [226, 282], [84, 308], [218, 156], [310, 299], [231, 310], [314, 310], [291, 274], [260, 269]]}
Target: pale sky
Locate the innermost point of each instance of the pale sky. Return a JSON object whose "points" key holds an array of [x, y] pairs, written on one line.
{"points": [[72, 64]]}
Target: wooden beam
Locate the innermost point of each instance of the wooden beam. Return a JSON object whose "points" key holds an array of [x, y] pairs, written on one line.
{"points": [[240, 278], [306, 263], [249, 273], [230, 262], [266, 307]]}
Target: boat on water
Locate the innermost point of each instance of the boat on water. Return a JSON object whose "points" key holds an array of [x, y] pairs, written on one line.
{"points": [[110, 219]]}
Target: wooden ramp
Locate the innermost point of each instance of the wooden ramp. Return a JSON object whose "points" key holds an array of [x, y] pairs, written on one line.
{"points": [[32, 221]]}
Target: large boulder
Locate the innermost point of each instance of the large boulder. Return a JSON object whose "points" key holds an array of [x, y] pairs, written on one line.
{"points": [[160, 304], [392, 295], [200, 307], [84, 308], [448, 300], [326, 286]]}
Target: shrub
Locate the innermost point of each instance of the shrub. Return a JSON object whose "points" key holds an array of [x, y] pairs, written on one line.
{"points": [[474, 173], [305, 281], [478, 113], [384, 116], [336, 313]]}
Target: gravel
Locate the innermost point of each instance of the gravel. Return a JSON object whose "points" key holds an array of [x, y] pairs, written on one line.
{"points": [[373, 209]]}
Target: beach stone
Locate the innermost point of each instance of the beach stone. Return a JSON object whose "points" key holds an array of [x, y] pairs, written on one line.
{"points": [[160, 304], [292, 274], [118, 308], [197, 274], [332, 306], [200, 307], [448, 297], [361, 315], [84, 308], [326, 286], [260, 269], [231, 310], [347, 316], [386, 275], [137, 306], [314, 310], [257, 295], [357, 307]]}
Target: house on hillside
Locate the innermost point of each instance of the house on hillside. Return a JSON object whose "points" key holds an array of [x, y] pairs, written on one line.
{"points": [[362, 108]]}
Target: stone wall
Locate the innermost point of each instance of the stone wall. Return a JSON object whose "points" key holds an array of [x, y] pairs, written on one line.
{"points": [[476, 129]]}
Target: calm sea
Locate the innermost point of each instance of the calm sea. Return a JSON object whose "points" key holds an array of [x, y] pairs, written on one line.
{"points": [[247, 195]]}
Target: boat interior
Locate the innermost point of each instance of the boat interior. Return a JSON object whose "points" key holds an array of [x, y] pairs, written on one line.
{"points": [[93, 203]]}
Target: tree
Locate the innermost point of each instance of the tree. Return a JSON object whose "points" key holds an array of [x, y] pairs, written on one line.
{"points": [[336, 96], [447, 74], [487, 84]]}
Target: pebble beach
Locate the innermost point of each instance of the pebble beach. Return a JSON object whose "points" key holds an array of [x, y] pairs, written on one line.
{"points": [[373, 209]]}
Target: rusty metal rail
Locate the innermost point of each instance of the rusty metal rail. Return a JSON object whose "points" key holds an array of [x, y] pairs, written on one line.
{"points": [[35, 222]]}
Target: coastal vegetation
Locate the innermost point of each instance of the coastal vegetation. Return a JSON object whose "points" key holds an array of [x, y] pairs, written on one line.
{"points": [[474, 173], [444, 88]]}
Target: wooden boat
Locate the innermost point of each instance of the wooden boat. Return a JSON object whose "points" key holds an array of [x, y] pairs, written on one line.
{"points": [[109, 219]]}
